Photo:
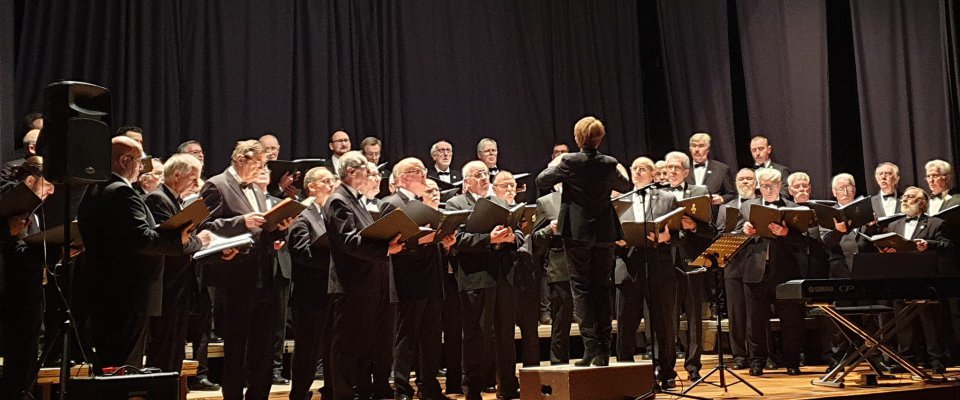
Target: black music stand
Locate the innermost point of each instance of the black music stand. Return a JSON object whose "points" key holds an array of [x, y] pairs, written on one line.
{"points": [[715, 257]]}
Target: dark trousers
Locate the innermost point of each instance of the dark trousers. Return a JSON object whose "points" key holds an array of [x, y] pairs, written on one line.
{"points": [[528, 315], [737, 316], [925, 326], [690, 298], [660, 295], [168, 337], [452, 331], [119, 339], [561, 311], [311, 321], [354, 342], [381, 364], [20, 314], [198, 330], [760, 297], [247, 326], [282, 286], [418, 343], [544, 296], [591, 267], [488, 320]]}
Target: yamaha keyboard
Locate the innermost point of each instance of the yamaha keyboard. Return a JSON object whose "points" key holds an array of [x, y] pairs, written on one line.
{"points": [[828, 290]]}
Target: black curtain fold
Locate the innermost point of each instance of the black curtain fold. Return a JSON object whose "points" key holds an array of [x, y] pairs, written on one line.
{"points": [[905, 95], [9, 126], [784, 51], [696, 54]]}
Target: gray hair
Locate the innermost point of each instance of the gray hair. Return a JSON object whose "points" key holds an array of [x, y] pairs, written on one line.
{"points": [[941, 165], [797, 175], [684, 160], [484, 142], [769, 174], [836, 179], [182, 163], [351, 159]]}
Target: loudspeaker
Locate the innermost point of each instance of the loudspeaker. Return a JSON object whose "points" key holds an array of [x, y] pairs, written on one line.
{"points": [[159, 386], [75, 140]]}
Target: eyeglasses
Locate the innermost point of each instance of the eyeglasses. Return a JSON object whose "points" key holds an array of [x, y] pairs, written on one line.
{"points": [[885, 173], [844, 188], [480, 175], [443, 151], [933, 177], [673, 168], [431, 191], [340, 141], [506, 185], [416, 171], [770, 186]]}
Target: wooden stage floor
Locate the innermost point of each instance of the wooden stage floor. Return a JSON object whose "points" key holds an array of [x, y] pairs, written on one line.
{"points": [[775, 384]]}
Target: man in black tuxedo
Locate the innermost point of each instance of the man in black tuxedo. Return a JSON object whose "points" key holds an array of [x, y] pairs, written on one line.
{"points": [[359, 282], [767, 263], [168, 332], [887, 202], [692, 240], [418, 278], [548, 254], [589, 226], [124, 258], [310, 251], [442, 172], [760, 149], [284, 187], [485, 277], [928, 233], [713, 174], [939, 177], [282, 266], [733, 272], [21, 280], [246, 286], [646, 274]]}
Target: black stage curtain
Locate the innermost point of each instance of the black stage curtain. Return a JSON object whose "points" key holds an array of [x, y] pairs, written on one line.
{"points": [[521, 72], [905, 55], [7, 114], [409, 73], [784, 46], [696, 54]]}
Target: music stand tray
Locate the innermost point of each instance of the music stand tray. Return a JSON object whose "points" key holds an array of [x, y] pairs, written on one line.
{"points": [[723, 249]]}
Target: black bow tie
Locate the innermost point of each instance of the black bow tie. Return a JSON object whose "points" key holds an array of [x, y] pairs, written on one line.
{"points": [[889, 196], [912, 219], [699, 165], [744, 199], [758, 166], [778, 203], [940, 196], [441, 173], [676, 188], [246, 185]]}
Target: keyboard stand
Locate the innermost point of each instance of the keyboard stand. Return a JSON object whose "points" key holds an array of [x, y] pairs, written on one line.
{"points": [[871, 344]]}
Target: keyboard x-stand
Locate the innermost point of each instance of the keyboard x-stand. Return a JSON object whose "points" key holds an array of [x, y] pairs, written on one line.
{"points": [[822, 293]]}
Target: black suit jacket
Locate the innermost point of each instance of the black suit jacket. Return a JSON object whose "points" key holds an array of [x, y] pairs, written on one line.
{"points": [[253, 267], [454, 178], [417, 271], [479, 264], [764, 260], [547, 250], [179, 277], [692, 243], [718, 179], [877, 202], [311, 259], [928, 228], [358, 266], [124, 253], [630, 261], [281, 258], [586, 213]]}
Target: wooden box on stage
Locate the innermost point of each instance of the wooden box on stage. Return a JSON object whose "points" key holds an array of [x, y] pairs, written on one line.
{"points": [[566, 382]]}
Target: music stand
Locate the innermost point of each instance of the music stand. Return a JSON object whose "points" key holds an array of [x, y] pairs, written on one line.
{"points": [[716, 257]]}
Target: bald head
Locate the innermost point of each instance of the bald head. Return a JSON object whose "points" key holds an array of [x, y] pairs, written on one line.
{"points": [[30, 141], [125, 154]]}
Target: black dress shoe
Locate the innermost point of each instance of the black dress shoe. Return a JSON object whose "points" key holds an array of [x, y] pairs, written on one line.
{"points": [[508, 395], [451, 390], [401, 396], [668, 384], [771, 364], [739, 363], [214, 338], [694, 376], [545, 319], [383, 394], [490, 389], [756, 369], [793, 371], [937, 367], [204, 385], [279, 380]]}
